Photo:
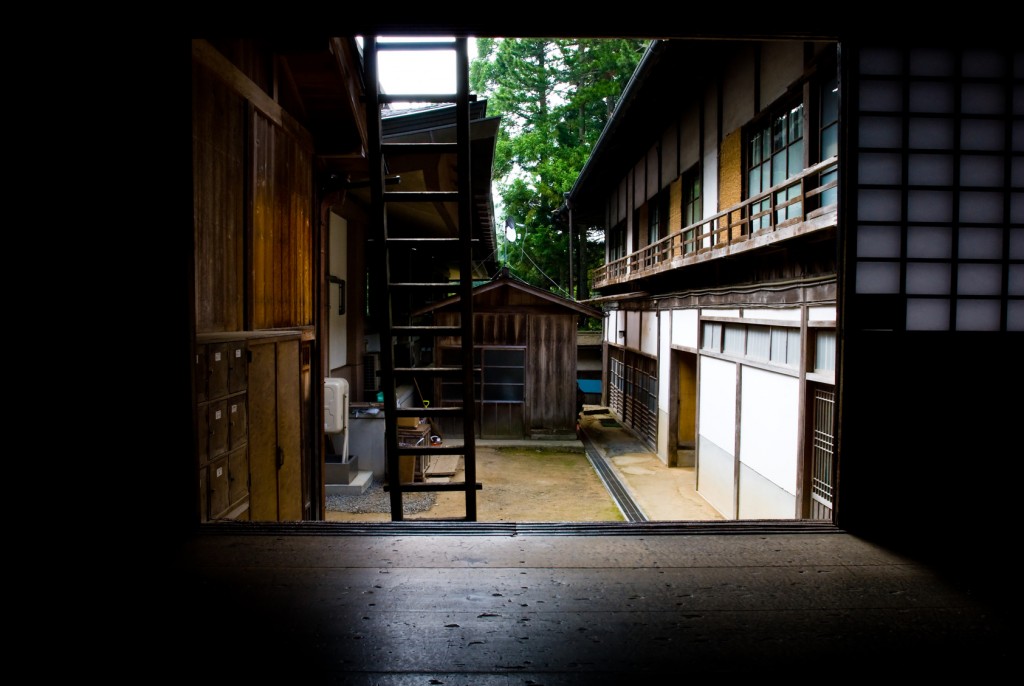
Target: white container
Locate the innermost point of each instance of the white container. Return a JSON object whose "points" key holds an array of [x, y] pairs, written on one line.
{"points": [[335, 405]]}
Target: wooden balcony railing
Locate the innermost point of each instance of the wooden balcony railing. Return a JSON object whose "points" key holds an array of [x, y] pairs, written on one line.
{"points": [[792, 203]]}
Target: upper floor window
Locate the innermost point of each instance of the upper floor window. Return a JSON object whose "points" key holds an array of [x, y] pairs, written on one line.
{"points": [[775, 152], [692, 208], [824, 350], [829, 137], [657, 217], [617, 241], [779, 345], [652, 221]]}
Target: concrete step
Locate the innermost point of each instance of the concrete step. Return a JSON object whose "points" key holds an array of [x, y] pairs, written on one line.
{"points": [[357, 486]]}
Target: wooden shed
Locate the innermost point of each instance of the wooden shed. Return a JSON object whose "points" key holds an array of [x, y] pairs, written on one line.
{"points": [[525, 359]]}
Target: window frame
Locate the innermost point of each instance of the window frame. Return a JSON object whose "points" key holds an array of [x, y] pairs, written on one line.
{"points": [[691, 207], [772, 138]]}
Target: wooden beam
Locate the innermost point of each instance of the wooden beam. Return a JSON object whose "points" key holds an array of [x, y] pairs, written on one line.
{"points": [[205, 54]]}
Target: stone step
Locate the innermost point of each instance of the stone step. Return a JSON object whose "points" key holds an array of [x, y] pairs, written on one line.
{"points": [[357, 486]]}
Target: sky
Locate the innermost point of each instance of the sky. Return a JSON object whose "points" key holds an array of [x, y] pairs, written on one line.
{"points": [[425, 71]]}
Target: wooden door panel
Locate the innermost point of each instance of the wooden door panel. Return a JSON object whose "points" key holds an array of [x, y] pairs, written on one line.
{"points": [[289, 433], [262, 433], [501, 420]]}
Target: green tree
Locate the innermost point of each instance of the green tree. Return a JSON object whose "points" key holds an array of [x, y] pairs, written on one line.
{"points": [[554, 97]]}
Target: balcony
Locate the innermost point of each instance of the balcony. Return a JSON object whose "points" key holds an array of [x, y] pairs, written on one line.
{"points": [[798, 206]]}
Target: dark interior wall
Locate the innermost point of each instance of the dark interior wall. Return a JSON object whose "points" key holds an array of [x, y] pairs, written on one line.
{"points": [[927, 417], [218, 199], [928, 444]]}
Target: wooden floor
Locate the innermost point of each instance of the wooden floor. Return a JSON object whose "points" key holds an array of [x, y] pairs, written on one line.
{"points": [[402, 603]]}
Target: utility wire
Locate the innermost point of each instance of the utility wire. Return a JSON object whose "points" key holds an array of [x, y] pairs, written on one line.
{"points": [[553, 283]]}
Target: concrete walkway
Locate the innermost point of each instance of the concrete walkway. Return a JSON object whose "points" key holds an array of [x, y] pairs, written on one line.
{"points": [[660, 492], [663, 493]]}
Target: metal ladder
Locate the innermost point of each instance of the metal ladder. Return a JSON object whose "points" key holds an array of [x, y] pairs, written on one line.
{"points": [[389, 281]]}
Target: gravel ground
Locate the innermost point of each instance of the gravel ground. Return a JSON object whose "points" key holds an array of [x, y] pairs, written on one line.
{"points": [[376, 499]]}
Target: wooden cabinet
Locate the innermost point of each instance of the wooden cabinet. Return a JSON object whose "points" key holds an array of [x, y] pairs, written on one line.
{"points": [[275, 430], [221, 370], [248, 411]]}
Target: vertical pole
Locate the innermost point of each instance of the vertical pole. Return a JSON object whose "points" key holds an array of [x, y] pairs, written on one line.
{"points": [[382, 284], [466, 272]]}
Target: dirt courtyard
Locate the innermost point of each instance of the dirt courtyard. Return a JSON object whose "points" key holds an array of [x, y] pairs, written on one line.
{"points": [[520, 484]]}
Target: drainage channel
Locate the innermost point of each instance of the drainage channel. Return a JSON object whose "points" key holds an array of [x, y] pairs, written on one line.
{"points": [[623, 500]]}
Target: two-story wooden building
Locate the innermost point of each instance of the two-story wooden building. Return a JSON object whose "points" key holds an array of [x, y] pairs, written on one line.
{"points": [[716, 185]]}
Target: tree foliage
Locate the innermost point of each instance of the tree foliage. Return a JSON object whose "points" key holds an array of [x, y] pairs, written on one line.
{"points": [[554, 97]]}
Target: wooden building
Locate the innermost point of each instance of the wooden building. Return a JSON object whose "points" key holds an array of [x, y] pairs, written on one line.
{"points": [[718, 196], [281, 252], [525, 357], [929, 322], [274, 125], [928, 302]]}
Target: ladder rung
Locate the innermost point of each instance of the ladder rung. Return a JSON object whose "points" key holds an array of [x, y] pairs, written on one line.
{"points": [[413, 46], [429, 450], [428, 330], [436, 98], [426, 411], [429, 371], [421, 196], [380, 153], [422, 97], [425, 239], [442, 522], [420, 486], [415, 148]]}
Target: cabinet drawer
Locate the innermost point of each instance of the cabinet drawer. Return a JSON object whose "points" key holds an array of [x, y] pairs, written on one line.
{"points": [[217, 428], [238, 422], [218, 487], [203, 433], [238, 366], [217, 369], [202, 376], [238, 475], [204, 494]]}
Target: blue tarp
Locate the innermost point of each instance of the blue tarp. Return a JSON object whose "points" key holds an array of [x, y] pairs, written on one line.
{"points": [[589, 385]]}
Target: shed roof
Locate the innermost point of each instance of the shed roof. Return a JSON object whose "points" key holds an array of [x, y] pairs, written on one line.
{"points": [[504, 280]]}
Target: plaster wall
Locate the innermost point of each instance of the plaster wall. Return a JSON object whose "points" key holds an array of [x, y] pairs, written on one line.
{"points": [[649, 332], [619, 211], [653, 178], [666, 437], [760, 498], [639, 186], [782, 63], [709, 164], [669, 154], [821, 314], [689, 139], [685, 332], [337, 327], [717, 409], [738, 104], [613, 323], [778, 314], [715, 476], [769, 418]]}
